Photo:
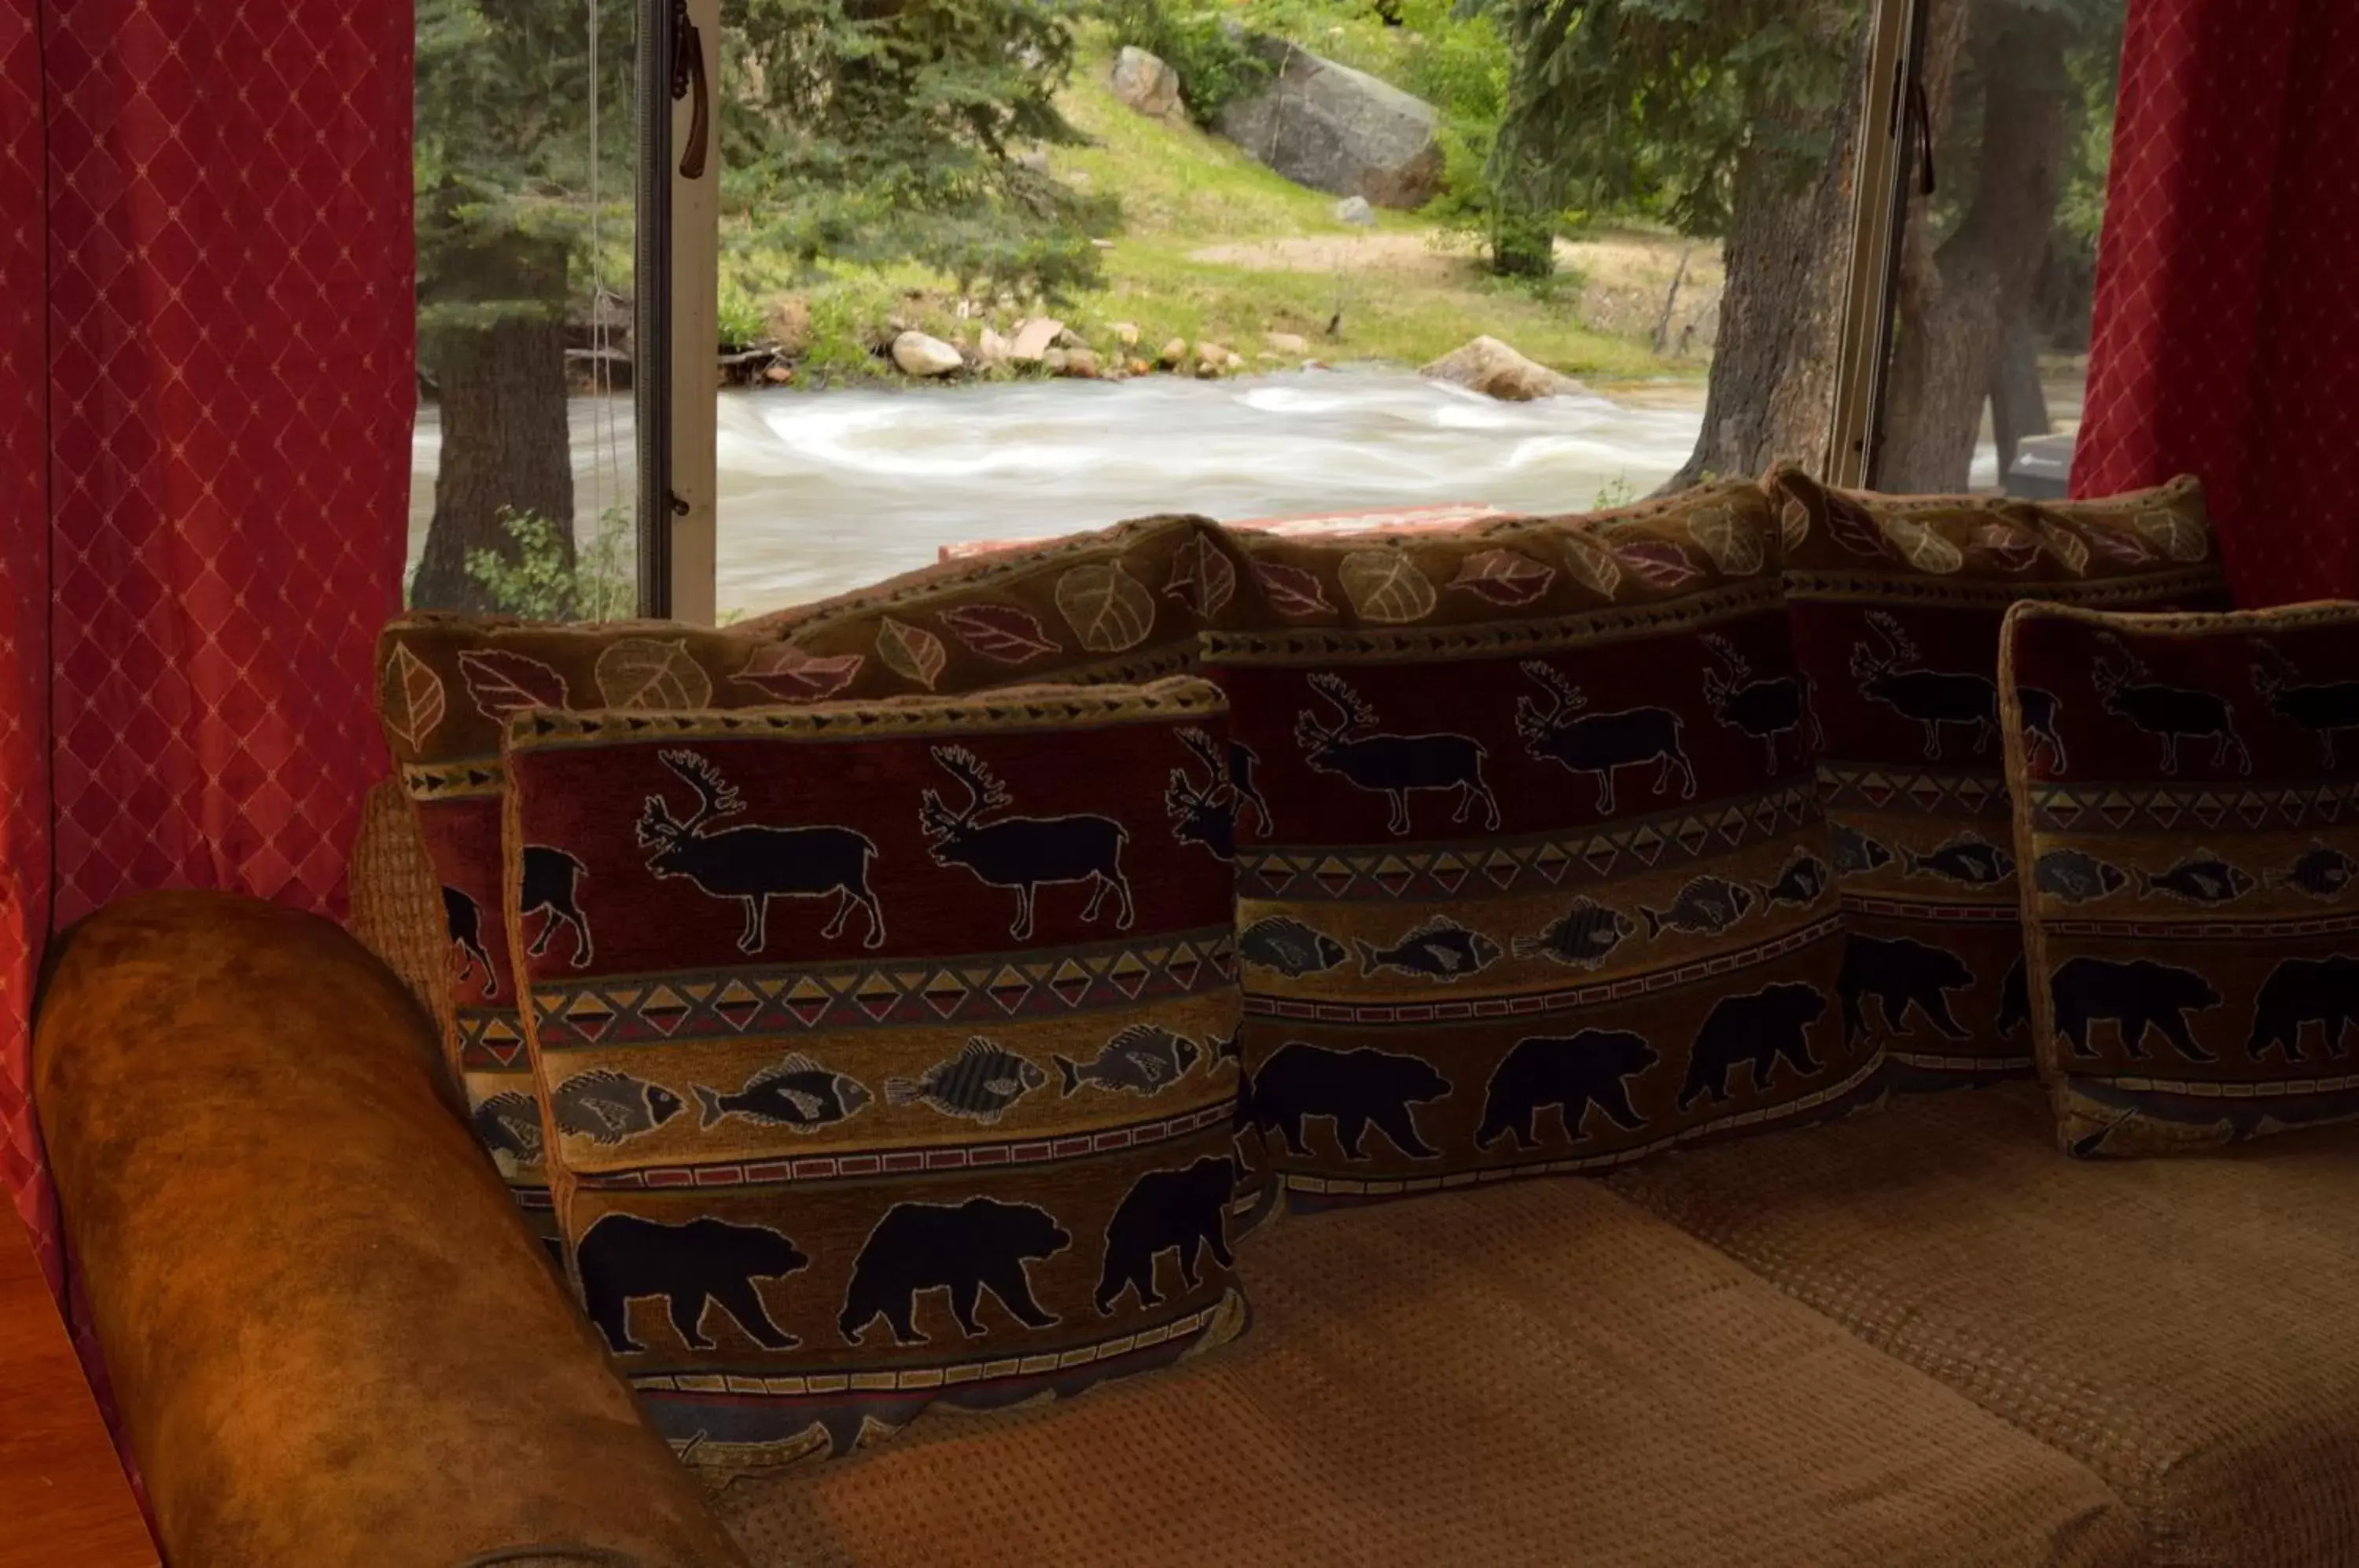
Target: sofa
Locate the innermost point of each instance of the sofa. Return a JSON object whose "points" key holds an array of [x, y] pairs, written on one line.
{"points": [[1857, 1301]]}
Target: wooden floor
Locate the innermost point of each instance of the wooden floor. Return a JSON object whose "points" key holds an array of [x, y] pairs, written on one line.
{"points": [[63, 1499]]}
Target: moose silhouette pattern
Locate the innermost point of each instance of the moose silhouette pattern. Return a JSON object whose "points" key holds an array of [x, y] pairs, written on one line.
{"points": [[701, 1264], [1352, 747], [1597, 743], [1023, 853], [1767, 709], [753, 865], [2325, 708], [2126, 689], [1888, 671]]}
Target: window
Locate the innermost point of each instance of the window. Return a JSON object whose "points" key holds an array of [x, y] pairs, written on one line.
{"points": [[523, 495], [1996, 269], [967, 270]]}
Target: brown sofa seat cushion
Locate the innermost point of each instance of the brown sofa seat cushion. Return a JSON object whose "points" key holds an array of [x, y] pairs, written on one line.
{"points": [[2182, 1327], [1539, 1373]]}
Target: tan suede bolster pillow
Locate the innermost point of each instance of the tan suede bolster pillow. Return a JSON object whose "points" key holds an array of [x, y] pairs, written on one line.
{"points": [[332, 1338]]}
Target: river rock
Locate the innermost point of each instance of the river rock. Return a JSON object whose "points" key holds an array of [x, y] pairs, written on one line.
{"points": [[1080, 363], [1288, 343], [918, 354], [992, 350], [1355, 211], [1148, 85], [1336, 129], [1491, 367], [1034, 339], [1173, 353], [790, 326], [1127, 333]]}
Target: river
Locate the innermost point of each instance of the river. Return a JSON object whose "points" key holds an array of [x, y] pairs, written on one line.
{"points": [[823, 492]]}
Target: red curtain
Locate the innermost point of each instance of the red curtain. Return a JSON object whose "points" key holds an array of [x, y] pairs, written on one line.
{"points": [[204, 456], [2226, 340]]}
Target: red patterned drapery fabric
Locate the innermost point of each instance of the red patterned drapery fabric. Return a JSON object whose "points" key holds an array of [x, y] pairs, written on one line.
{"points": [[205, 495], [2225, 337]]}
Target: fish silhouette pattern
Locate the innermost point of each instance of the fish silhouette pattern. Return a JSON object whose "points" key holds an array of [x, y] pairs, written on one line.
{"points": [[1439, 949], [980, 1083], [2201, 878], [2322, 872], [1293, 949], [608, 1107], [1144, 1059], [1968, 860], [1706, 906], [2078, 877], [796, 1094], [1799, 885], [959, 1249], [1856, 852], [1583, 937], [509, 1124]]}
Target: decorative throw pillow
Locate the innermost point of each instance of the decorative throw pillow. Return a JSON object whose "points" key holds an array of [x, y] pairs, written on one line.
{"points": [[2189, 816], [1116, 604], [1896, 605], [1533, 875], [906, 1068]]}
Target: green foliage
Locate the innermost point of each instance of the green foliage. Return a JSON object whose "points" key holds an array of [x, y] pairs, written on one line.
{"points": [[600, 583], [875, 131], [1215, 65], [1643, 107]]}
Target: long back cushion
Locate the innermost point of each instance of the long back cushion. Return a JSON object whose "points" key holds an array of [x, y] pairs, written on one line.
{"points": [[2190, 823], [1896, 604], [1533, 876], [1123, 604], [906, 1068]]}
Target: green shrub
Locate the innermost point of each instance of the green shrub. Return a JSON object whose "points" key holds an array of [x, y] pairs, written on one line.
{"points": [[1215, 65], [600, 582]]}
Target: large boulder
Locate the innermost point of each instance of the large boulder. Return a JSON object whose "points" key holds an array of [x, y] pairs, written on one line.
{"points": [[1336, 129], [1491, 367], [1148, 85], [918, 354]]}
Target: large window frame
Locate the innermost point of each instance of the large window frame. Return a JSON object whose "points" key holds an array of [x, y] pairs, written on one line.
{"points": [[679, 266]]}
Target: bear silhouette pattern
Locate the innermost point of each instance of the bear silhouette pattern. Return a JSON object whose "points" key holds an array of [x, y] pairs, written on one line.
{"points": [[705, 1262], [1899, 975], [1570, 1072], [2136, 996], [1183, 1211], [1356, 1089], [961, 1248], [1762, 1029], [2304, 991]]}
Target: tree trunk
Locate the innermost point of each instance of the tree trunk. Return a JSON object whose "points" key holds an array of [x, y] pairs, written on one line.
{"points": [[1771, 395], [1957, 310], [494, 339], [2018, 403]]}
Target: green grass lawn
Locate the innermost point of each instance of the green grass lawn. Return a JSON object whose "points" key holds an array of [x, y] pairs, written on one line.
{"points": [[1407, 292]]}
